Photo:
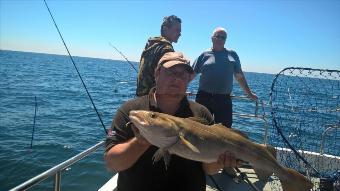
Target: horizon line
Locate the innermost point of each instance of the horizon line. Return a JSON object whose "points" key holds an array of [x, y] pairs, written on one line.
{"points": [[98, 58]]}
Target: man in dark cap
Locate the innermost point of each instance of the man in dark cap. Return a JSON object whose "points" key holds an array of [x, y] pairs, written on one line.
{"points": [[130, 154]]}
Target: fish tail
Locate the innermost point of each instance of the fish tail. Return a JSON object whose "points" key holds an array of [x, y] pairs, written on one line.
{"points": [[295, 182]]}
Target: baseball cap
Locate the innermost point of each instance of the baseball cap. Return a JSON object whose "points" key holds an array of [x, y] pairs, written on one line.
{"points": [[171, 59]]}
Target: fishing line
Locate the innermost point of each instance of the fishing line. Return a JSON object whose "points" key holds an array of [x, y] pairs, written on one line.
{"points": [[74, 64], [123, 56], [35, 114]]}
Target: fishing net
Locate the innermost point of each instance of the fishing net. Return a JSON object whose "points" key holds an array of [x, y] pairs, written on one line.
{"points": [[306, 116]]}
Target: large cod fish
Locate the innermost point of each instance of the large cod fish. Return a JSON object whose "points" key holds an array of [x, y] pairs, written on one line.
{"points": [[188, 138]]}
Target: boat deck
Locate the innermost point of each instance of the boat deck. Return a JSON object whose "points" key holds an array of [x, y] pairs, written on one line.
{"points": [[224, 182]]}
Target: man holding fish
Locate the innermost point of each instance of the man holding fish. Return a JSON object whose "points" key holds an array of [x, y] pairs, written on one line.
{"points": [[133, 154]]}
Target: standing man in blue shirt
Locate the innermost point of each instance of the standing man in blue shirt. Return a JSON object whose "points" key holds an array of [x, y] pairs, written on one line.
{"points": [[217, 67]]}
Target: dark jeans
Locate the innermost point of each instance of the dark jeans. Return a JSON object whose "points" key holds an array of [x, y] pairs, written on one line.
{"points": [[219, 105]]}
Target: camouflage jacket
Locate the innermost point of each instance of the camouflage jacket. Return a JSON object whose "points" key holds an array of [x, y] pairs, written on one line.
{"points": [[154, 49]]}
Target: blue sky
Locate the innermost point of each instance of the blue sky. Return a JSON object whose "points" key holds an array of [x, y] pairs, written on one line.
{"points": [[267, 35]]}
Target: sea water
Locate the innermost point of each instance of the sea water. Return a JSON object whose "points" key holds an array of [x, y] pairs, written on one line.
{"points": [[66, 122]]}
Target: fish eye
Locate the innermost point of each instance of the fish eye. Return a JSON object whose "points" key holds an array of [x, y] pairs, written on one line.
{"points": [[152, 115]]}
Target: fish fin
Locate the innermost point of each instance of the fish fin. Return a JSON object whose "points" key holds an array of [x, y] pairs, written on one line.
{"points": [[162, 153], [239, 132], [188, 144], [166, 159], [199, 120], [301, 183], [158, 155], [219, 127]]}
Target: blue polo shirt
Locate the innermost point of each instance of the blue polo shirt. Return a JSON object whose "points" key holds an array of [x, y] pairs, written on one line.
{"points": [[217, 69]]}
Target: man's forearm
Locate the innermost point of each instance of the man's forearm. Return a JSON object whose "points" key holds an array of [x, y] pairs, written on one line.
{"points": [[124, 155], [244, 85], [243, 82]]}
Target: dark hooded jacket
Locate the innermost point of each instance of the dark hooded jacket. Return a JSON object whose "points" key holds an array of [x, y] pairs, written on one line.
{"points": [[154, 49]]}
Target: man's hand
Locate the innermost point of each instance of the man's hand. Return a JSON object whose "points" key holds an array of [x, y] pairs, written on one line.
{"points": [[225, 160], [139, 138]]}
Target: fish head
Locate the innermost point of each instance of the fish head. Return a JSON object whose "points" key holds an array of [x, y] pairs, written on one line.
{"points": [[158, 128]]}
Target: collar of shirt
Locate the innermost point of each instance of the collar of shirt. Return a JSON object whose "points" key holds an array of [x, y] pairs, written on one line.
{"points": [[183, 110]]}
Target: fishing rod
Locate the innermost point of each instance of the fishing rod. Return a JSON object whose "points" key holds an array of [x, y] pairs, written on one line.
{"points": [[123, 56], [74, 64], [35, 114]]}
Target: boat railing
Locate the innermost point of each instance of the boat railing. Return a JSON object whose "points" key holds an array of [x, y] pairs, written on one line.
{"points": [[259, 104], [57, 170], [331, 127], [259, 112]]}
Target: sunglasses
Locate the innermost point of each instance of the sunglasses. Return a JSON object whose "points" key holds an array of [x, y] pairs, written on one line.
{"points": [[180, 75], [220, 37]]}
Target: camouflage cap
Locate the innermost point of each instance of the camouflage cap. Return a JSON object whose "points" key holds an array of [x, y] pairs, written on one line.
{"points": [[171, 59]]}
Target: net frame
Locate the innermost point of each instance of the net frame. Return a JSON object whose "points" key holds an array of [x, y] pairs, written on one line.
{"points": [[308, 100]]}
